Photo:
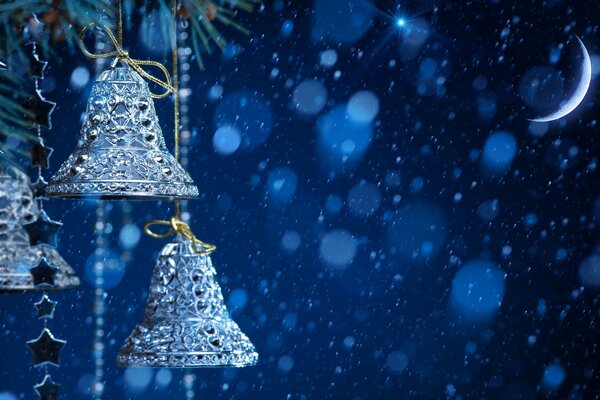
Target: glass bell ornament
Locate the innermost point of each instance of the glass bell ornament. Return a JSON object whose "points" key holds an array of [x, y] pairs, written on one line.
{"points": [[121, 153], [186, 323], [23, 266]]}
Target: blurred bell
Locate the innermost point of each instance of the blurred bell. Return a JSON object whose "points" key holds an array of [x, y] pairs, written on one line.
{"points": [[186, 322], [121, 153], [22, 266]]}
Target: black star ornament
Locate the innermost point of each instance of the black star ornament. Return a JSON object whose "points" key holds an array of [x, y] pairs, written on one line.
{"points": [[37, 66], [40, 108], [45, 307], [46, 349], [48, 389], [44, 274], [43, 229], [40, 154], [39, 187]]}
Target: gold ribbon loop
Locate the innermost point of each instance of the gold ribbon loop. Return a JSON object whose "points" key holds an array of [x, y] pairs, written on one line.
{"points": [[122, 55], [178, 227]]}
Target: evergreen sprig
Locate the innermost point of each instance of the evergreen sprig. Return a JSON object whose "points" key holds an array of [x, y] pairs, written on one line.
{"points": [[51, 21]]}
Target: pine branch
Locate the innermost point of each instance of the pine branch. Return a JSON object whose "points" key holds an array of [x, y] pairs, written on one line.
{"points": [[203, 14], [46, 22], [51, 21]]}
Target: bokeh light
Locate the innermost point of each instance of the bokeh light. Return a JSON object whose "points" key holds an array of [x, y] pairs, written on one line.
{"points": [[285, 363], [163, 377], [113, 268], [237, 299], [542, 87], [287, 28], [364, 199], [338, 248], [290, 241], [138, 379], [129, 236], [396, 362], [363, 106], [248, 113], [488, 210], [589, 271], [333, 204], [309, 97], [341, 21], [538, 129], [478, 290], [499, 152], [342, 139], [413, 36], [80, 77], [553, 377], [227, 140], [418, 230], [281, 185], [328, 58]]}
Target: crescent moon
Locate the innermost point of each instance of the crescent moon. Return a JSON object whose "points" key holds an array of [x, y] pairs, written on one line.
{"points": [[580, 92]]}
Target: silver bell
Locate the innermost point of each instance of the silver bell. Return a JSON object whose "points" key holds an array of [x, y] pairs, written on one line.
{"points": [[186, 322], [121, 153], [22, 266]]}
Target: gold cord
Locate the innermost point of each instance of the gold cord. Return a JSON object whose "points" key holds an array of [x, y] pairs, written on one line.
{"points": [[120, 31], [175, 79], [175, 57], [122, 55], [179, 227]]}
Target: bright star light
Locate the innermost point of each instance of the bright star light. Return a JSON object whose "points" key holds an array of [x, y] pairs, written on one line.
{"points": [[400, 22]]}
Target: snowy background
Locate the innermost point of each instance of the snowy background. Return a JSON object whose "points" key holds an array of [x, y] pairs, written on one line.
{"points": [[389, 224]]}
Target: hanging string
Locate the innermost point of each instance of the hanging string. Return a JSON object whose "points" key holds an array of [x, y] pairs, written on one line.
{"points": [[175, 224], [175, 81], [120, 24], [176, 91]]}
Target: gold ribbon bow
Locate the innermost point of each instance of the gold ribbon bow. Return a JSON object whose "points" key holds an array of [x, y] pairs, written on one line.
{"points": [[122, 55], [179, 227]]}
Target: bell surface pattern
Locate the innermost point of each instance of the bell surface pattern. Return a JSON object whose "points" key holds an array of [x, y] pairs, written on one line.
{"points": [[17, 256], [121, 153], [186, 323]]}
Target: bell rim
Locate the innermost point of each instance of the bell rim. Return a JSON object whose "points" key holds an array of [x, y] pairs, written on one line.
{"points": [[117, 197], [78, 191], [31, 288], [153, 360]]}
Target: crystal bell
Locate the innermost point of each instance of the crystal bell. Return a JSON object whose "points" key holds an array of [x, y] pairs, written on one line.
{"points": [[22, 266], [186, 322], [121, 153]]}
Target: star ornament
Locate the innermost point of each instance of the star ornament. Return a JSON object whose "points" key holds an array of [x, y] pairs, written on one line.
{"points": [[46, 349], [40, 108], [39, 187], [43, 229], [45, 307], [44, 274], [37, 66], [48, 389], [40, 154]]}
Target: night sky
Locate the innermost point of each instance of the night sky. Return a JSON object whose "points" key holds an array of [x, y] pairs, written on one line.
{"points": [[389, 222]]}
